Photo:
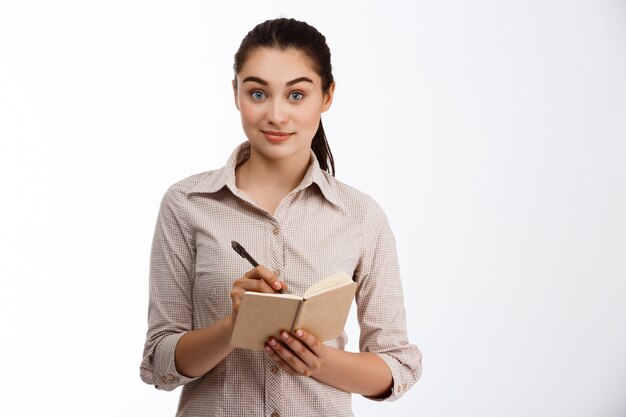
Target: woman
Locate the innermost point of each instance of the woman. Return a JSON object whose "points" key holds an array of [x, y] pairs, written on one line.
{"points": [[278, 197]]}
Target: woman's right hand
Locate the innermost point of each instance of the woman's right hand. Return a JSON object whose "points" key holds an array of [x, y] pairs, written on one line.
{"points": [[200, 350], [259, 279]]}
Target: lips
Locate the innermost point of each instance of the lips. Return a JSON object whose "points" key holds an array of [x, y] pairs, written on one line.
{"points": [[276, 137]]}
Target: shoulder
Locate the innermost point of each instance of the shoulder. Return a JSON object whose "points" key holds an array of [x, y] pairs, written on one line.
{"points": [[187, 184], [355, 201], [178, 192]]}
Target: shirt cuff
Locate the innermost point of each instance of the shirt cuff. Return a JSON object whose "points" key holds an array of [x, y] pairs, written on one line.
{"points": [[398, 388], [163, 374]]}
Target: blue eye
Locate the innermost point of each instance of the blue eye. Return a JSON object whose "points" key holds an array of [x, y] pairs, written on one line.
{"points": [[258, 95], [301, 96]]}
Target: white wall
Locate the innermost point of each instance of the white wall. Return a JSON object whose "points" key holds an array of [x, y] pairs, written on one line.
{"points": [[499, 129]]}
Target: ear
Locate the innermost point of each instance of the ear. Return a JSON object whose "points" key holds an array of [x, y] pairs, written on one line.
{"points": [[235, 94], [328, 97]]}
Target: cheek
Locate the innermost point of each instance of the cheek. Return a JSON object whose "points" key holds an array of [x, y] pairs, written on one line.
{"points": [[314, 124], [250, 114], [310, 116]]}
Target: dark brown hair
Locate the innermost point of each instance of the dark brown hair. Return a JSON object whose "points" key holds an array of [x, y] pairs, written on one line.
{"points": [[283, 33]]}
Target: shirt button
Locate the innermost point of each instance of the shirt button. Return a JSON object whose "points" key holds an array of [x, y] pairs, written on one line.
{"points": [[276, 230], [274, 370], [170, 378]]}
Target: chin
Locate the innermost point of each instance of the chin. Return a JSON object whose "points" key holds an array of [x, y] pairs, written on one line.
{"points": [[277, 151]]}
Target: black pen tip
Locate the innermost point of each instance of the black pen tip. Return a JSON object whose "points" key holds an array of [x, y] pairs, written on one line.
{"points": [[237, 247]]}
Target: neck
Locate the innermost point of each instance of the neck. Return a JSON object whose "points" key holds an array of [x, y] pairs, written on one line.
{"points": [[282, 176]]}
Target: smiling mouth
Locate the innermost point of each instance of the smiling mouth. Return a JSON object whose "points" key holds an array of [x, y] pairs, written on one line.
{"points": [[276, 137]]}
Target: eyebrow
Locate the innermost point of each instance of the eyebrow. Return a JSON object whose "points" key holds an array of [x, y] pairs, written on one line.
{"points": [[287, 84]]}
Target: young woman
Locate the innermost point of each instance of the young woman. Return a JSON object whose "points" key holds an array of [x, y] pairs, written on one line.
{"points": [[278, 197]]}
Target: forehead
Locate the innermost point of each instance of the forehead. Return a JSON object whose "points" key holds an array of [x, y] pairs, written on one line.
{"points": [[278, 66]]}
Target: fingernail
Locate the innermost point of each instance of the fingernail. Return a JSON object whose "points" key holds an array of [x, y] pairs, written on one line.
{"points": [[277, 285], [298, 333], [284, 335], [272, 342]]}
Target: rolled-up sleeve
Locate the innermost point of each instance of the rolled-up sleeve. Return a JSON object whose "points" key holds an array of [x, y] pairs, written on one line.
{"points": [[380, 304], [170, 309]]}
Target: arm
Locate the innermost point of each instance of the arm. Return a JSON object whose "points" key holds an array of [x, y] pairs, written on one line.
{"points": [[174, 354], [170, 310], [380, 304], [303, 354], [362, 373], [198, 351]]}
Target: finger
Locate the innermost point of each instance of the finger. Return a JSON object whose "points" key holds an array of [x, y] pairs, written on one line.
{"points": [[301, 349], [311, 342], [251, 284], [257, 280], [295, 354], [265, 275], [241, 285], [290, 360], [279, 361]]}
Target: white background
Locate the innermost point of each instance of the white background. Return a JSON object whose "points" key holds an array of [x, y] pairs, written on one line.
{"points": [[493, 134]]}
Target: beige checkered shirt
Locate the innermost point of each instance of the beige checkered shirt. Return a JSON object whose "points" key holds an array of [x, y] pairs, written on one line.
{"points": [[322, 227]]}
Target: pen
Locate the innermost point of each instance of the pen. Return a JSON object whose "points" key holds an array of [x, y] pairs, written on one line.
{"points": [[244, 254]]}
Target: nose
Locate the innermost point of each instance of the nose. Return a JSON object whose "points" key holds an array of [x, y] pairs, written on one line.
{"points": [[278, 113]]}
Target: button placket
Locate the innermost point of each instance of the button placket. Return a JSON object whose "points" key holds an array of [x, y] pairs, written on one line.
{"points": [[273, 377], [275, 250], [273, 387]]}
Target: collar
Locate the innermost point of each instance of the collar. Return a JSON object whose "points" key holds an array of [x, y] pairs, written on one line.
{"points": [[225, 176]]}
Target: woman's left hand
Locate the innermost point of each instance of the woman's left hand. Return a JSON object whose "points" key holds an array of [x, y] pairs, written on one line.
{"points": [[300, 353]]}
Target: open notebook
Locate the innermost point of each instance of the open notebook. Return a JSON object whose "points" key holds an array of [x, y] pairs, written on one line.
{"points": [[322, 311]]}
